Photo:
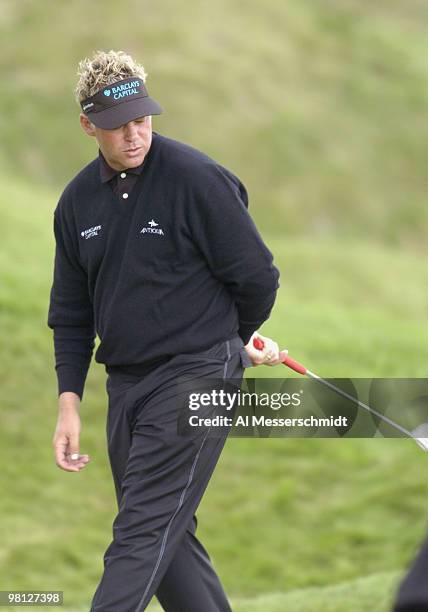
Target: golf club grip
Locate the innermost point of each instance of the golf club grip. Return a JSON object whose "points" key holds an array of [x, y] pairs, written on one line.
{"points": [[288, 361], [294, 365]]}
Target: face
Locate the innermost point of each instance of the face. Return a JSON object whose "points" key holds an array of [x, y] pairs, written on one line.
{"points": [[126, 146]]}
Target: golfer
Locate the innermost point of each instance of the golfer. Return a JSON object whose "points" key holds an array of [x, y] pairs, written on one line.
{"points": [[158, 256]]}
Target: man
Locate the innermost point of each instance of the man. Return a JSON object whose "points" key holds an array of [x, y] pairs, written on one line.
{"points": [[155, 253]]}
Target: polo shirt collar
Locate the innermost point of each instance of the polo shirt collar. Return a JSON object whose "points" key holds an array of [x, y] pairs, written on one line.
{"points": [[107, 172]]}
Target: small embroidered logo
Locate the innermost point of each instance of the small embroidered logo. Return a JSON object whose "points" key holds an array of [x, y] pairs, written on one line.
{"points": [[153, 229], [89, 233]]}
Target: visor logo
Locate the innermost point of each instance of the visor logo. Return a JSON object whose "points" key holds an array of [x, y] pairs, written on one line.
{"points": [[107, 92], [125, 89]]}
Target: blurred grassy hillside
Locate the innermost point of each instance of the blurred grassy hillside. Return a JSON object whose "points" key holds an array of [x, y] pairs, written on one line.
{"points": [[319, 105]]}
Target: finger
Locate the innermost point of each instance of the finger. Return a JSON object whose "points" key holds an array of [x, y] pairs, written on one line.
{"points": [[75, 457], [62, 457], [271, 352], [83, 459], [64, 454], [60, 449], [277, 359], [267, 350], [74, 449], [266, 355], [255, 355], [273, 362], [79, 461]]}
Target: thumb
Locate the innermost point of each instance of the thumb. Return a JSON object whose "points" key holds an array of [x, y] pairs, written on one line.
{"points": [[74, 446], [283, 354]]}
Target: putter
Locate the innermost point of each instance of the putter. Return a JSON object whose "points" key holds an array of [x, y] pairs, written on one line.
{"points": [[419, 435]]}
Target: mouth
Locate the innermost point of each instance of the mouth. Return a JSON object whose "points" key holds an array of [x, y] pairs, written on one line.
{"points": [[134, 150]]}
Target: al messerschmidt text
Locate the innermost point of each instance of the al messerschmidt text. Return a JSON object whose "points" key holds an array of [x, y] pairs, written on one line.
{"points": [[254, 420]]}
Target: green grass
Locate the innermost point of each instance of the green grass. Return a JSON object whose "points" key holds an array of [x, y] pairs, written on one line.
{"points": [[375, 592], [363, 595], [326, 512]]}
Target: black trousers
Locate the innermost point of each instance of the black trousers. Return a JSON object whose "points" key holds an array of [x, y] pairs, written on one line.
{"points": [[160, 477], [412, 595]]}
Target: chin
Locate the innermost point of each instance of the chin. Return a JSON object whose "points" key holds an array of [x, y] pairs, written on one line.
{"points": [[132, 161]]}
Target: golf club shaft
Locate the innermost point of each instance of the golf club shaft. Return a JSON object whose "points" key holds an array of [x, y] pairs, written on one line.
{"points": [[301, 369]]}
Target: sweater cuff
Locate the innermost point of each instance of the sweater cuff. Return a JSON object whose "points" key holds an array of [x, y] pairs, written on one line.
{"points": [[246, 331], [71, 379], [251, 321]]}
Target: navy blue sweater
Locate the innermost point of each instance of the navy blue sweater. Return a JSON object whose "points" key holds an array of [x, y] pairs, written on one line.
{"points": [[176, 267]]}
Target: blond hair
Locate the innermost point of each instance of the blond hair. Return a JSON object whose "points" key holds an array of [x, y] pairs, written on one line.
{"points": [[104, 68]]}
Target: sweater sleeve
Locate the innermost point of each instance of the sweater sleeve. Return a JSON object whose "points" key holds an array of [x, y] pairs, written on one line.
{"points": [[235, 251], [70, 314]]}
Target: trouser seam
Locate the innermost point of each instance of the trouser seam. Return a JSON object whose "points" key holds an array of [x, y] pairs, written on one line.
{"points": [[227, 360], [180, 503]]}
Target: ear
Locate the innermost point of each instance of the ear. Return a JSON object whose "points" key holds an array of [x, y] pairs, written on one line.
{"points": [[87, 125]]}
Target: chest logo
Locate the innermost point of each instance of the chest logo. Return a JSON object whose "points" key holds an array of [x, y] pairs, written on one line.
{"points": [[153, 229], [90, 232]]}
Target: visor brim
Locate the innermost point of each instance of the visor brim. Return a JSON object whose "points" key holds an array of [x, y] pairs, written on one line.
{"points": [[118, 115]]}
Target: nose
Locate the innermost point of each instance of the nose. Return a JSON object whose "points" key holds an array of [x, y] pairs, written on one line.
{"points": [[130, 130]]}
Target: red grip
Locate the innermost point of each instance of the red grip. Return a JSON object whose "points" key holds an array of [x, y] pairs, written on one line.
{"points": [[258, 344], [294, 365], [288, 361]]}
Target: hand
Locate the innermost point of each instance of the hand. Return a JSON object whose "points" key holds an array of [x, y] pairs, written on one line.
{"points": [[270, 354], [67, 433]]}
